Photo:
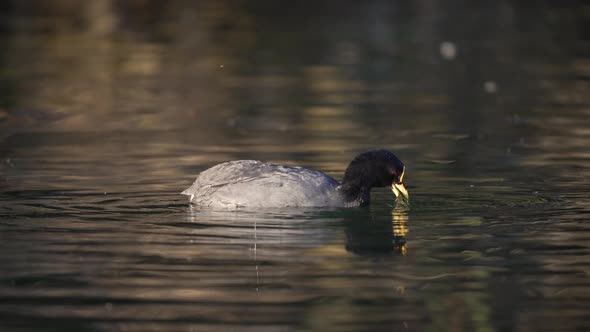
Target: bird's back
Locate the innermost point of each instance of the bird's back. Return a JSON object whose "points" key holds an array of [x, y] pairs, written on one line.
{"points": [[249, 183]]}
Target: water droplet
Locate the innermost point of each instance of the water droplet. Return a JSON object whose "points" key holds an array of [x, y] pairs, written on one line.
{"points": [[490, 87], [448, 50]]}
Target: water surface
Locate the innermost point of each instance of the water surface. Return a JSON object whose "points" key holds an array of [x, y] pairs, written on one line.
{"points": [[103, 124]]}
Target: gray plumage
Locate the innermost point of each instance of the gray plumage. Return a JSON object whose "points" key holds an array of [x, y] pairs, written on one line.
{"points": [[254, 184]]}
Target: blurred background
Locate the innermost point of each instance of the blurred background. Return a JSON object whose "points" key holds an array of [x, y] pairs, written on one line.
{"points": [[108, 109], [365, 67]]}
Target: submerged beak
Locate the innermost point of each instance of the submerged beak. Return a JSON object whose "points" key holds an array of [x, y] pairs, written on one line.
{"points": [[399, 188]]}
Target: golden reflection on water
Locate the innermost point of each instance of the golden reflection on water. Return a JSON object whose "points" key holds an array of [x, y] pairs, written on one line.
{"points": [[399, 223]]}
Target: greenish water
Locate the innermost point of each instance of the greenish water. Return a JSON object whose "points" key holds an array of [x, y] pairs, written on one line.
{"points": [[109, 111]]}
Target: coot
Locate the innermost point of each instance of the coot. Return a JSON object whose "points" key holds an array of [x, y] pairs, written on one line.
{"points": [[255, 184]]}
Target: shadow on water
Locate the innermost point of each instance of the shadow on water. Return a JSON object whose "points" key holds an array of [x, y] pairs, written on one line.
{"points": [[374, 231]]}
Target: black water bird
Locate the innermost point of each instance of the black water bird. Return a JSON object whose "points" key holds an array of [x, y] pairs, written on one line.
{"points": [[255, 184]]}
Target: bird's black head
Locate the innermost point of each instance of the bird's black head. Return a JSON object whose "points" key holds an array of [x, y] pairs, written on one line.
{"points": [[375, 168]]}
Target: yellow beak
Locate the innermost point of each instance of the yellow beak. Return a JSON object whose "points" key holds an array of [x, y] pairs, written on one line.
{"points": [[399, 188]]}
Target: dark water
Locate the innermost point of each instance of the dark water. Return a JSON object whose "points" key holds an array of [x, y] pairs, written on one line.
{"points": [[110, 109]]}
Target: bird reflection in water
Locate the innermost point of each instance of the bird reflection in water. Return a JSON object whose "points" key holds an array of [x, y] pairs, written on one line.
{"points": [[377, 232], [371, 230], [399, 221], [279, 241]]}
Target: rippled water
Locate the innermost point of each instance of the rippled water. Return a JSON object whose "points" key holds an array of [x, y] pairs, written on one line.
{"points": [[100, 134]]}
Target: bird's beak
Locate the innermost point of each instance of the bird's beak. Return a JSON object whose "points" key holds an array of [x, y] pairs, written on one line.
{"points": [[399, 188]]}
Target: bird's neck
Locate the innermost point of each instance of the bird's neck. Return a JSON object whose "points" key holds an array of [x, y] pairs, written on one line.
{"points": [[355, 194]]}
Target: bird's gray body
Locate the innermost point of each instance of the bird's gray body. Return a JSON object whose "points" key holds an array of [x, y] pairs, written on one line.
{"points": [[254, 184]]}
